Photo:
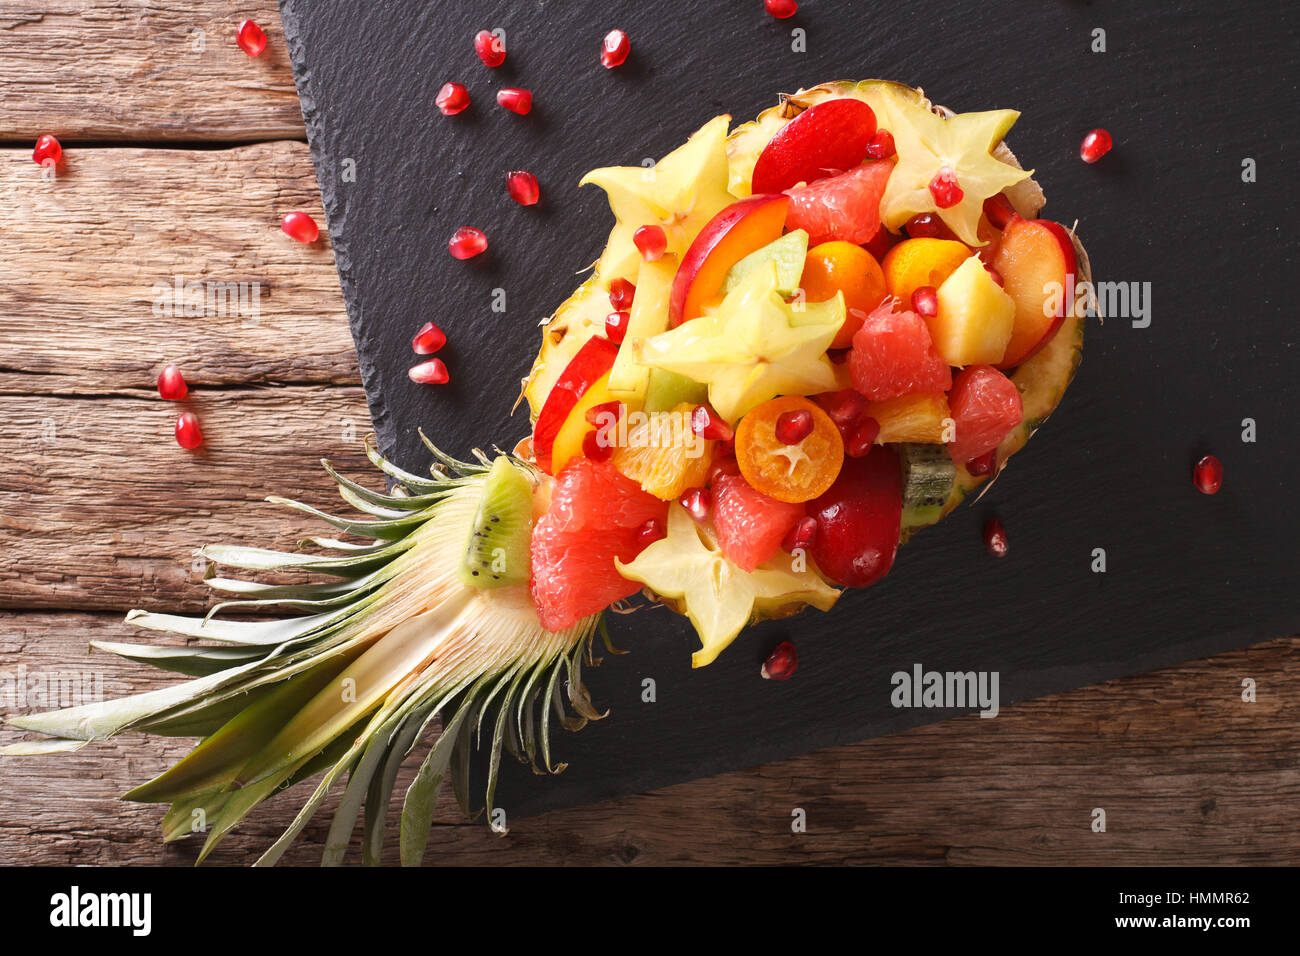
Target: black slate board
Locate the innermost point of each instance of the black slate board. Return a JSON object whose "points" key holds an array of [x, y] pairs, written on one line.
{"points": [[1188, 92]]}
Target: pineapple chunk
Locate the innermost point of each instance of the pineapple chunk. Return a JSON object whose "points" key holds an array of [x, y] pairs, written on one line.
{"points": [[628, 379], [975, 319], [922, 418]]}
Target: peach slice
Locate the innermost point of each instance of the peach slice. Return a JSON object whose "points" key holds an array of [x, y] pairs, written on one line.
{"points": [[1035, 259], [735, 232]]}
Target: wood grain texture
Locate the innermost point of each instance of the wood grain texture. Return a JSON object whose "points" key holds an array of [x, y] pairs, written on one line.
{"points": [[1187, 773], [128, 70]]}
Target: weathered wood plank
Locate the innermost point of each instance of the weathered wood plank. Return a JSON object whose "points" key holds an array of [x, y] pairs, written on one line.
{"points": [[92, 257], [1186, 771], [123, 70]]}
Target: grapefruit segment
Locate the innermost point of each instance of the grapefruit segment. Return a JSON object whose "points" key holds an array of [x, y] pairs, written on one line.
{"points": [[893, 355], [846, 206], [750, 524]]}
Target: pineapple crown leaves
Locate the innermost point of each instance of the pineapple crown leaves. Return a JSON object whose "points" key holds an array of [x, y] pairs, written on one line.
{"points": [[353, 680]]}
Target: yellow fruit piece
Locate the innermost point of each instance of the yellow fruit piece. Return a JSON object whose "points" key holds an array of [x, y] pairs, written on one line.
{"points": [[574, 323], [628, 379], [569, 440], [662, 454], [914, 263], [976, 317], [912, 418]]}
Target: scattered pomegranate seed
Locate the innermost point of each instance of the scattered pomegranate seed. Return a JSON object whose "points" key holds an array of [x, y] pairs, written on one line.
{"points": [[432, 372], [801, 535], [652, 241], [300, 226], [995, 538], [188, 433], [47, 151], [881, 145], [453, 98], [945, 189], [708, 424], [516, 100], [781, 9], [649, 533], [994, 274], [999, 211], [491, 49], [927, 225], [251, 38], [925, 301], [596, 447], [614, 49], [863, 436], [616, 326], [428, 340], [171, 384], [794, 426], [522, 186], [782, 662], [698, 501], [1208, 475], [621, 292], [467, 242], [597, 415], [985, 464], [1095, 145]]}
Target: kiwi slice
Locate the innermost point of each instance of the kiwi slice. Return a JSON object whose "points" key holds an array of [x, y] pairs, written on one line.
{"points": [[928, 476], [496, 555]]}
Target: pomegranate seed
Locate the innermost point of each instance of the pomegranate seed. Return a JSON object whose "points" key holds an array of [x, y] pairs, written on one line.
{"points": [[300, 226], [614, 49], [995, 538], [522, 186], [927, 225], [709, 425], [1095, 145], [945, 190], [48, 152], [863, 436], [994, 274], [984, 464], [616, 326], [781, 9], [652, 241], [491, 49], [698, 501], [782, 662], [171, 384], [999, 211], [881, 145], [251, 38], [925, 301], [432, 372], [467, 242], [516, 100], [596, 447], [801, 536], [621, 292], [723, 464], [597, 415], [793, 427], [453, 98], [649, 533], [1208, 475], [428, 340], [188, 433]]}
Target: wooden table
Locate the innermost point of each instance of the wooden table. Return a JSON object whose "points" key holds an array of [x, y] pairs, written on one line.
{"points": [[181, 156]]}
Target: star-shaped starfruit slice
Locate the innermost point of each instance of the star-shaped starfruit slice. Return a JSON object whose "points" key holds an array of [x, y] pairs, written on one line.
{"points": [[756, 346], [680, 193], [928, 145], [720, 598]]}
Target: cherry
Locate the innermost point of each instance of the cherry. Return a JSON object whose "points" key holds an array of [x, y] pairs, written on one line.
{"points": [[491, 49], [621, 292], [782, 662], [801, 536], [781, 9], [794, 426], [300, 226], [995, 538], [1208, 475], [250, 37], [863, 436], [48, 151], [881, 145], [467, 242], [698, 501], [859, 518], [616, 326], [1095, 145], [614, 49], [432, 372], [522, 186], [925, 301], [453, 98], [945, 190], [428, 340], [188, 433], [171, 384], [652, 242], [516, 100], [709, 425]]}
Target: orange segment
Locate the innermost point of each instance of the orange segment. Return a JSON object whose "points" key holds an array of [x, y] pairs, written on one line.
{"points": [[914, 263], [663, 455], [793, 473], [911, 418], [840, 266]]}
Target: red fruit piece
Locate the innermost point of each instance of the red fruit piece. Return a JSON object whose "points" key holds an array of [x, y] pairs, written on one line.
{"points": [[858, 520], [698, 502], [985, 406], [999, 211], [822, 140], [467, 242], [188, 433], [846, 206], [782, 10], [171, 384], [491, 49], [894, 355], [47, 152], [927, 225], [750, 524], [1208, 475], [863, 436], [651, 242], [432, 372], [250, 37], [801, 536], [616, 326], [794, 426], [846, 409], [453, 98], [945, 189], [881, 145], [1095, 145], [614, 49], [300, 226], [985, 464], [621, 293], [995, 538], [595, 516], [782, 662], [925, 301], [428, 340], [515, 99], [707, 423], [522, 186]]}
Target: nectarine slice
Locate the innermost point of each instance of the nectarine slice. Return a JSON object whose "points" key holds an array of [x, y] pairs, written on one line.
{"points": [[1035, 259]]}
